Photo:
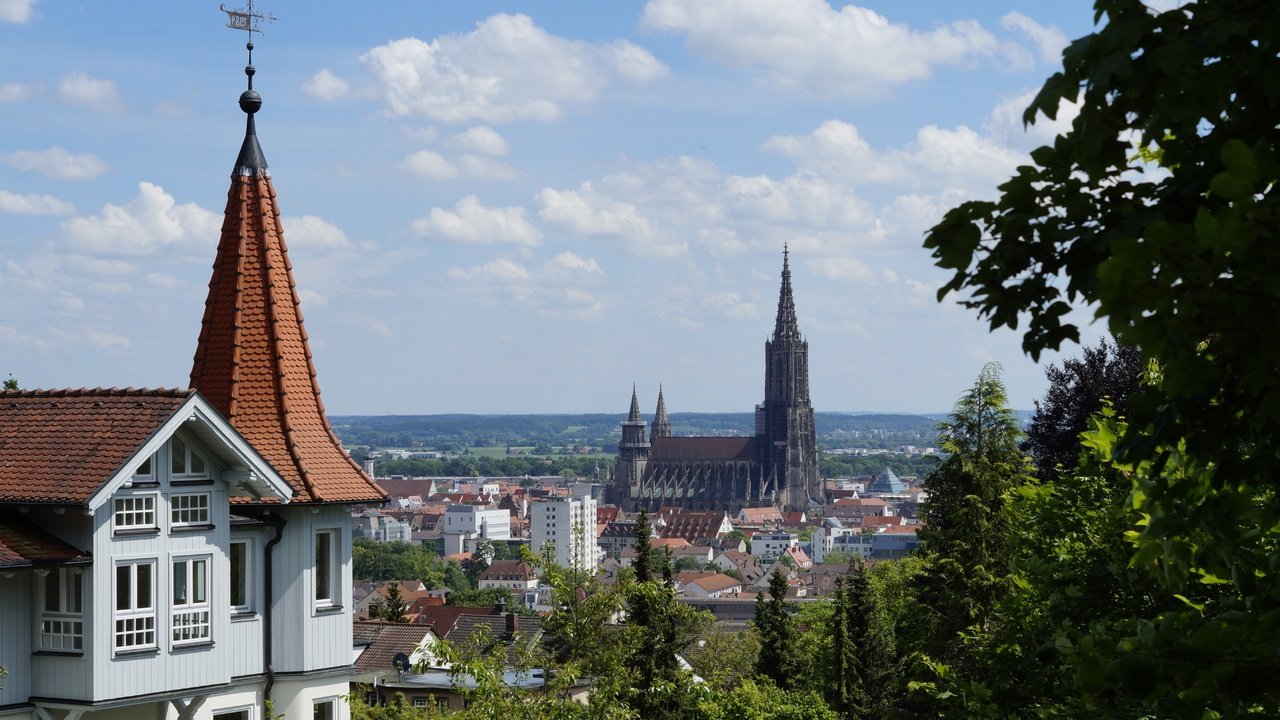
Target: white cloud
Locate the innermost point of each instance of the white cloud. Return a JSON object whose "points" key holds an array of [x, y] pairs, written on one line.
{"points": [[507, 69], [730, 305], [68, 303], [149, 222], [164, 281], [472, 222], [1005, 122], [17, 11], [429, 164], [79, 88], [485, 168], [33, 204], [810, 45], [843, 268], [11, 92], [310, 231], [587, 212], [105, 340], [324, 85], [312, 299], [58, 163], [481, 139], [938, 157], [500, 270], [567, 265], [100, 266], [1049, 40]]}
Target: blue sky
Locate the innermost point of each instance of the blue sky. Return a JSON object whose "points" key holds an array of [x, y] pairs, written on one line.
{"points": [[522, 207]]}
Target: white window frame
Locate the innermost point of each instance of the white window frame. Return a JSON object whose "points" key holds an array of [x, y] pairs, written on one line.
{"points": [[330, 702], [133, 621], [62, 627], [198, 506], [325, 592], [180, 451], [244, 711], [191, 616], [137, 511], [150, 470], [246, 575]]}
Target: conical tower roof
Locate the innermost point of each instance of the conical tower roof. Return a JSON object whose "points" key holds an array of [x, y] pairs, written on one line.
{"points": [[661, 425], [253, 361], [785, 326], [634, 415]]}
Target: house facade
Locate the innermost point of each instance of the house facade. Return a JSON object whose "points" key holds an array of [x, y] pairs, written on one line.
{"points": [[186, 553]]}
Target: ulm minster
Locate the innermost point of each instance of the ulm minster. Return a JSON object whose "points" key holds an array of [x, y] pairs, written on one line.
{"points": [[534, 208]]}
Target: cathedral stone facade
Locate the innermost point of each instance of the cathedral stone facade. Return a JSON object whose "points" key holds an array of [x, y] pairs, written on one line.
{"points": [[776, 466]]}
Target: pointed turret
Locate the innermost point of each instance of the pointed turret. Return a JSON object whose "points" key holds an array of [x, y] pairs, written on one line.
{"points": [[785, 327], [634, 415], [661, 425], [253, 361]]}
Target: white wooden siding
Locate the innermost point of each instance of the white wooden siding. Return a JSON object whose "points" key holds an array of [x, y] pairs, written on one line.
{"points": [[17, 596]]}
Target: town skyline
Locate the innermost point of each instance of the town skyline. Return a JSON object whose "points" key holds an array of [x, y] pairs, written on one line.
{"points": [[471, 235]]}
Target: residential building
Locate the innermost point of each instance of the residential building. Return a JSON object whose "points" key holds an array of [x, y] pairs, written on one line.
{"points": [[514, 575], [464, 524], [186, 553], [568, 525], [768, 546]]}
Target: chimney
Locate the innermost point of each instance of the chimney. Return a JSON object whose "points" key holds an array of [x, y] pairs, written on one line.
{"points": [[513, 624], [501, 607]]}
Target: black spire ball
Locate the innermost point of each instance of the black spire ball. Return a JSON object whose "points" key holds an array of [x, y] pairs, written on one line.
{"points": [[250, 101]]}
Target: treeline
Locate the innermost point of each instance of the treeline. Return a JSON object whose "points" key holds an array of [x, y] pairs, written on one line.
{"points": [[486, 466], [833, 466]]}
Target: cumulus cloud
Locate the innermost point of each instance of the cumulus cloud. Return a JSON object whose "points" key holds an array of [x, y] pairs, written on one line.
{"points": [[843, 268], [567, 265], [507, 69], [730, 305], [79, 88], [550, 290], [324, 85], [100, 266], [17, 11], [485, 168], [309, 231], [812, 46], [587, 212], [1005, 121], [33, 204], [472, 222], [482, 140], [1049, 40], [15, 92], [58, 163], [938, 157], [500, 270], [429, 164], [151, 221]]}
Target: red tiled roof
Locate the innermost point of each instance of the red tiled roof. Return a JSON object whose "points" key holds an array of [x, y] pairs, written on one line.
{"points": [[62, 445], [702, 448], [253, 361], [385, 641], [23, 544], [715, 582], [508, 570]]}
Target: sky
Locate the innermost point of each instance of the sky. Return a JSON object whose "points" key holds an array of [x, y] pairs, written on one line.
{"points": [[497, 207]]}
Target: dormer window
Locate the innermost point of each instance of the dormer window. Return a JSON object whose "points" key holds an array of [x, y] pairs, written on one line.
{"points": [[185, 462], [135, 513]]}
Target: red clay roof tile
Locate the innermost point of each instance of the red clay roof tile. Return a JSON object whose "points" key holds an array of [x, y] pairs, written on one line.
{"points": [[60, 446], [23, 544], [253, 361]]}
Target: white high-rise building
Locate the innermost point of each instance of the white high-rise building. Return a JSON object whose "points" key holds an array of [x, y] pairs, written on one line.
{"points": [[464, 524], [569, 524]]}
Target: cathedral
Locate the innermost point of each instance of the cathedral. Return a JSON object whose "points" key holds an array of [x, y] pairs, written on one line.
{"points": [[776, 466]]}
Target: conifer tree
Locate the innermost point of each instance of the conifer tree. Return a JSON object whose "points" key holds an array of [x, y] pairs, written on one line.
{"points": [[777, 636]]}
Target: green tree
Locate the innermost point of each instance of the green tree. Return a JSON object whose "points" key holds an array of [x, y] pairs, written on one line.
{"points": [[10, 383], [777, 659], [763, 701], [392, 607], [1179, 260], [723, 657], [964, 527], [866, 667]]}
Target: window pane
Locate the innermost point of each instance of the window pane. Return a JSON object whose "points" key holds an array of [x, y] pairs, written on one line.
{"points": [[180, 583], [323, 540], [145, 467], [198, 581], [178, 453], [122, 588], [144, 586], [197, 464], [77, 590], [238, 589], [52, 591]]}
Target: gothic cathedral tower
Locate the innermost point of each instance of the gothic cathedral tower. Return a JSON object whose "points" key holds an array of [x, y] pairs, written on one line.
{"points": [[633, 454], [784, 422]]}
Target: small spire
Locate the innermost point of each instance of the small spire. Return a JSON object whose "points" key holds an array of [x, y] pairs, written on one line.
{"points": [[251, 161], [661, 425], [634, 415], [786, 326]]}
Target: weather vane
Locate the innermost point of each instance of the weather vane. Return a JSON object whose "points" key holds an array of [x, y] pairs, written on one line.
{"points": [[246, 19]]}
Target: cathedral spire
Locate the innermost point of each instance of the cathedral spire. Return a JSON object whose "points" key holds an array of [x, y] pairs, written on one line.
{"points": [[634, 415], [253, 360], [785, 326], [661, 425]]}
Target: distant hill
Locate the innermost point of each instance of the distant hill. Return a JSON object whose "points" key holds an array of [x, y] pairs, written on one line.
{"points": [[602, 430]]}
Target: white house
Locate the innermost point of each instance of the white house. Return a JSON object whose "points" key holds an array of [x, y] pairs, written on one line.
{"points": [[768, 546], [464, 524], [186, 553]]}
